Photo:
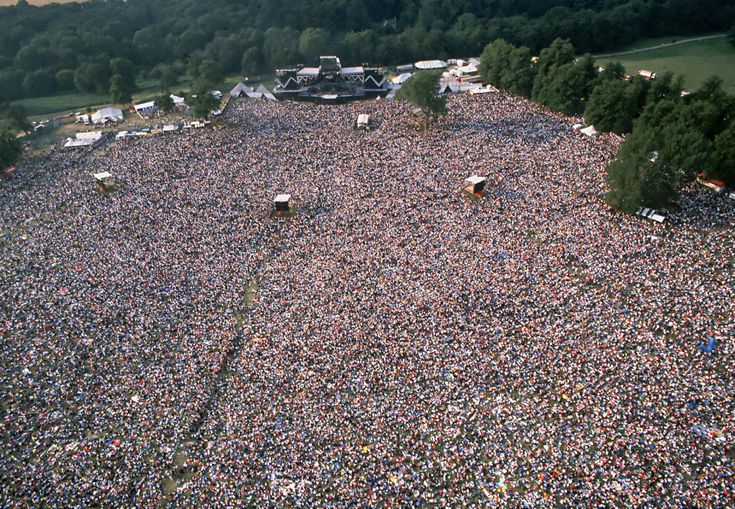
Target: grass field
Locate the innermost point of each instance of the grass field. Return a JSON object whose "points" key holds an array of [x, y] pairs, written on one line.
{"points": [[42, 107], [696, 61]]}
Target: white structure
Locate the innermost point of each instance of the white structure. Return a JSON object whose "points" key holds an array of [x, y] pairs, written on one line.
{"points": [[81, 140], [430, 64], [107, 115], [731, 195], [577, 127], [102, 176], [363, 121], [401, 78], [265, 93], [649, 75], [487, 89], [179, 102], [589, 131], [240, 90], [145, 110], [82, 119], [651, 214], [475, 184], [282, 202]]}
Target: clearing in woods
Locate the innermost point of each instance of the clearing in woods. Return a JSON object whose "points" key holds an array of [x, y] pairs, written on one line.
{"points": [[696, 61]]}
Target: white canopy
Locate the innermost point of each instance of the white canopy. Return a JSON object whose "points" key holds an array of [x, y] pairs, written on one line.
{"points": [[589, 131], [431, 64], [401, 78], [240, 88], [282, 198], [363, 120], [475, 179], [102, 175], [92, 135], [107, 114]]}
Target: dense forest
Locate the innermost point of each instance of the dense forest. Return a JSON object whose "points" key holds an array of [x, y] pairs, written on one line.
{"points": [[56, 48]]}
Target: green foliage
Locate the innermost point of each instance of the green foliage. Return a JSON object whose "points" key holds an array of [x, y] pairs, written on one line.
{"points": [[92, 77], [10, 149], [725, 155], [422, 91], [507, 67], [147, 33], [202, 101], [314, 42], [612, 71], [165, 103], [563, 83], [119, 91], [209, 73], [682, 151], [612, 106], [13, 118]]}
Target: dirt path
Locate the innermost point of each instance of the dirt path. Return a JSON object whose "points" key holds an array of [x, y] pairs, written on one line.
{"points": [[660, 46]]}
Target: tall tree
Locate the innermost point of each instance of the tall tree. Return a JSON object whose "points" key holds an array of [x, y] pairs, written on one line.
{"points": [[725, 155], [10, 149], [422, 90], [562, 82], [507, 67], [119, 91], [15, 118], [203, 102], [612, 106]]}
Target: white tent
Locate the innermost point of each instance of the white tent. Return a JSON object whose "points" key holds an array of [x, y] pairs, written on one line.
{"points": [[651, 214], [240, 89], [363, 121], [107, 114], [431, 64], [178, 101], [146, 109], [589, 131], [401, 78]]}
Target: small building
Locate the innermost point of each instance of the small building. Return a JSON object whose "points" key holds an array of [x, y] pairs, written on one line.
{"points": [[649, 75], [105, 182], [651, 214], [107, 115], [82, 119], [146, 109], [475, 184], [363, 121], [282, 203]]}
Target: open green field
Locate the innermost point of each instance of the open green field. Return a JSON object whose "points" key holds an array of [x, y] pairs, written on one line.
{"points": [[38, 107], [696, 61]]}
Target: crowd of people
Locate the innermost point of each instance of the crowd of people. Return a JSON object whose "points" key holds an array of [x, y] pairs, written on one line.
{"points": [[396, 343]]}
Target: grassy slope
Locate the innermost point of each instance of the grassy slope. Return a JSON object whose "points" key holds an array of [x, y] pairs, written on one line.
{"points": [[696, 61], [72, 102]]}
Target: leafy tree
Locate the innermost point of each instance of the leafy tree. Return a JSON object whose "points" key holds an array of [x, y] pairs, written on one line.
{"points": [[314, 42], [612, 106], [92, 77], [64, 79], [612, 71], [118, 90], [125, 69], [203, 102], [422, 91], [665, 87], [165, 103], [725, 155], [507, 67], [562, 82], [251, 63], [210, 72], [10, 149], [15, 118]]}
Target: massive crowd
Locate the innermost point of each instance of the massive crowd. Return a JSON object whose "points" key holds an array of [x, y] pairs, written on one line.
{"points": [[397, 343]]}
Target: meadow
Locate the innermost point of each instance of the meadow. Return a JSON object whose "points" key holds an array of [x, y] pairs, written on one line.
{"points": [[696, 61]]}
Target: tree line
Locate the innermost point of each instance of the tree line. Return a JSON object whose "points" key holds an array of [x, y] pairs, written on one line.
{"points": [[671, 135], [107, 47]]}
